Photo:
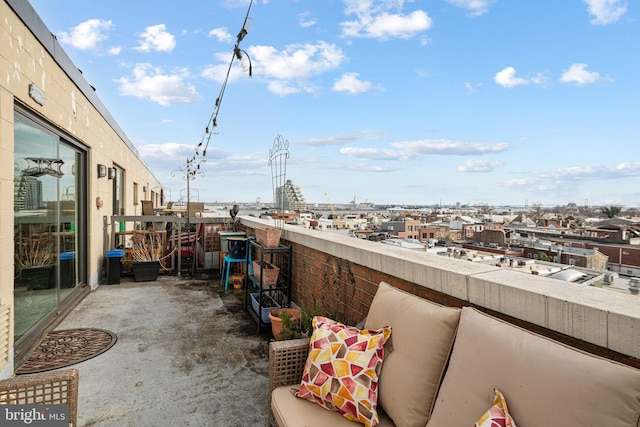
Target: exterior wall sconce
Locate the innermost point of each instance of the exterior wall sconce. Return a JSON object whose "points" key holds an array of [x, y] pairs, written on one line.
{"points": [[102, 171], [144, 189], [112, 173]]}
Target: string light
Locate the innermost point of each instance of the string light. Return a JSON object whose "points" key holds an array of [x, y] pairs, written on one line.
{"points": [[237, 54]]}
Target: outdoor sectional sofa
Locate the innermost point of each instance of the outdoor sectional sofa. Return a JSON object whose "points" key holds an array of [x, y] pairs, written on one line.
{"points": [[442, 364]]}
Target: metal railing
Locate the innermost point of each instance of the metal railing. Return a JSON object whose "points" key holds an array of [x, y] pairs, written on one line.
{"points": [[187, 240]]}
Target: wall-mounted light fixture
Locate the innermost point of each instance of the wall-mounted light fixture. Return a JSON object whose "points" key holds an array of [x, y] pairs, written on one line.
{"points": [[144, 189], [102, 171], [112, 173]]}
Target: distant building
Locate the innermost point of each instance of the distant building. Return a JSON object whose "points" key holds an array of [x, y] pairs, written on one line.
{"points": [[404, 229], [289, 197]]}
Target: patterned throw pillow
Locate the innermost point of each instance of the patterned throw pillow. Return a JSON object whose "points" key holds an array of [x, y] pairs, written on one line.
{"points": [[341, 372], [497, 415]]}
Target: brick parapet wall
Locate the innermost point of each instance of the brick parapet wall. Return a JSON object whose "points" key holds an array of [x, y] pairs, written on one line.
{"points": [[340, 276]]}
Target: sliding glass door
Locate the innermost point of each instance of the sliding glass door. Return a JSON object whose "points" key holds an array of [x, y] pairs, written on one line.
{"points": [[48, 178]]}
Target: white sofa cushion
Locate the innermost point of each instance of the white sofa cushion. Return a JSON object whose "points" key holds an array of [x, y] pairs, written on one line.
{"points": [[545, 382], [415, 355]]}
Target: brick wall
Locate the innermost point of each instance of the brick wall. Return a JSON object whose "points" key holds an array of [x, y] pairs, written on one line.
{"points": [[339, 276]]}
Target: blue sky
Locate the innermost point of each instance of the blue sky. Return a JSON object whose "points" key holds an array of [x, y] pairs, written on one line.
{"points": [[390, 101]]}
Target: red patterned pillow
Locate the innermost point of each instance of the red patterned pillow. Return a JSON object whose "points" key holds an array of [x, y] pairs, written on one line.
{"points": [[497, 415], [341, 372]]}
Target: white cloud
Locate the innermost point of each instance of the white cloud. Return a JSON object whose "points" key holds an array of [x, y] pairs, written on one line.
{"points": [[218, 72], [87, 35], [471, 87], [411, 150], [297, 61], [446, 147], [156, 38], [152, 83], [375, 154], [507, 78], [578, 73], [306, 20], [540, 79], [282, 88], [286, 71], [168, 150], [115, 50], [479, 166], [569, 178], [473, 7], [605, 11], [349, 82], [341, 139], [221, 34], [375, 19]]}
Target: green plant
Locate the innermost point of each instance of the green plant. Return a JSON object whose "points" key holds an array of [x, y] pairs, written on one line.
{"points": [[290, 329], [300, 328]]}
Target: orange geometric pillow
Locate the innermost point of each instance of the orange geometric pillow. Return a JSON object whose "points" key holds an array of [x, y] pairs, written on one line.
{"points": [[497, 415], [341, 372]]}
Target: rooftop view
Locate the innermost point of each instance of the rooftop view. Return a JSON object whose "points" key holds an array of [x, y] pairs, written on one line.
{"points": [[246, 212], [451, 101]]}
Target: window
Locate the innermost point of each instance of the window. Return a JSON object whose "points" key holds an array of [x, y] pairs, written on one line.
{"points": [[135, 194], [118, 192]]}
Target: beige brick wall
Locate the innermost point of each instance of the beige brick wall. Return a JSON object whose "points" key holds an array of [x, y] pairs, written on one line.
{"points": [[24, 60]]}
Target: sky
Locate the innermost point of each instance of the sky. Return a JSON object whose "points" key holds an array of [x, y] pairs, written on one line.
{"points": [[384, 101]]}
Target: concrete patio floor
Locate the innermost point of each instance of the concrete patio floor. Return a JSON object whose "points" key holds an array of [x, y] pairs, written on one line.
{"points": [[187, 355]]}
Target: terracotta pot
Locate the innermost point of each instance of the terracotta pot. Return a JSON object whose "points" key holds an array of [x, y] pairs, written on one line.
{"points": [[276, 321], [237, 280], [269, 273], [268, 237]]}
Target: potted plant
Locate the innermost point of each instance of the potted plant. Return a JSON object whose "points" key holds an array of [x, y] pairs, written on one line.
{"points": [[35, 259], [267, 271], [280, 316], [292, 323], [147, 250]]}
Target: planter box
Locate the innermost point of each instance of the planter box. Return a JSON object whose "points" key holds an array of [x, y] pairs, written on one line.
{"points": [[269, 274], [268, 237], [264, 311], [146, 271], [37, 278]]}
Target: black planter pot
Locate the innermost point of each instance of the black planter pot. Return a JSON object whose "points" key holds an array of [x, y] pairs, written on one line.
{"points": [[145, 271], [237, 247], [36, 278]]}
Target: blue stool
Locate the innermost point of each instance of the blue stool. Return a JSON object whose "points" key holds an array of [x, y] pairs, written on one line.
{"points": [[226, 266]]}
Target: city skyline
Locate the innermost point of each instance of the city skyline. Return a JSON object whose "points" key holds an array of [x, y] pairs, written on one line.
{"points": [[393, 102]]}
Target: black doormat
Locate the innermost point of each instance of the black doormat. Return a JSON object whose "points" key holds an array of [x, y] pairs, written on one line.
{"points": [[60, 349]]}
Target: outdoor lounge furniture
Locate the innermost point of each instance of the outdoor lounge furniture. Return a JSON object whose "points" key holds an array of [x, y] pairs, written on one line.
{"points": [[55, 387], [442, 364]]}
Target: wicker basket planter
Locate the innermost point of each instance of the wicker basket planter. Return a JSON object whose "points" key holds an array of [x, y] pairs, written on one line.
{"points": [[268, 237], [269, 273]]}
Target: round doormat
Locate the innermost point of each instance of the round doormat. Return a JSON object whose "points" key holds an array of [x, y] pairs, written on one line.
{"points": [[67, 347]]}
